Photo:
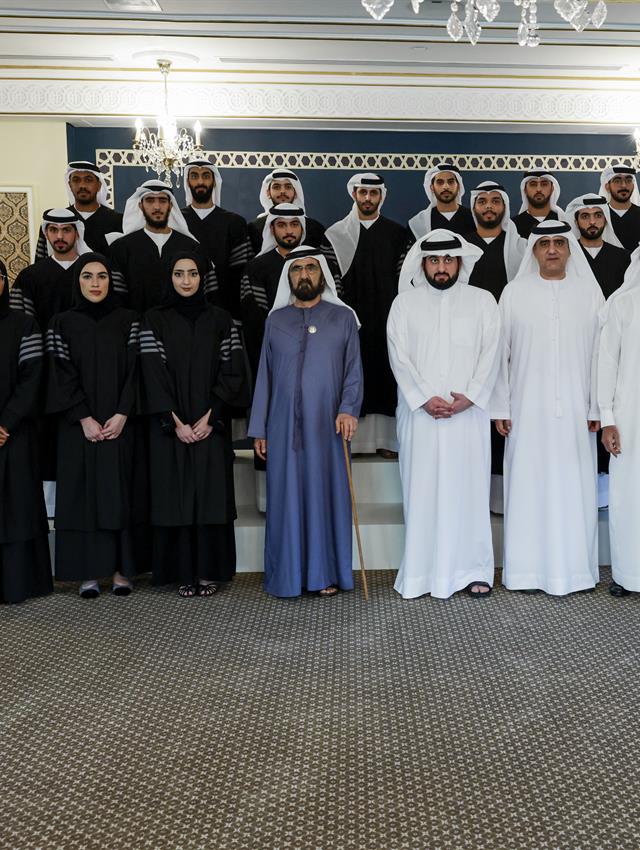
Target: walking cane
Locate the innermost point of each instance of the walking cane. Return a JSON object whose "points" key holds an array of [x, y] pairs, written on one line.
{"points": [[354, 508]]}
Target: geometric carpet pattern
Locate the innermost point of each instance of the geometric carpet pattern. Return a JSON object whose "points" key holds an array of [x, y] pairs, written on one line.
{"points": [[244, 722]]}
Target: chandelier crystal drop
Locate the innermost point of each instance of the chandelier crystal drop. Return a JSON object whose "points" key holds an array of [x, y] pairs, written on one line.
{"points": [[455, 29], [378, 8], [578, 13], [169, 149]]}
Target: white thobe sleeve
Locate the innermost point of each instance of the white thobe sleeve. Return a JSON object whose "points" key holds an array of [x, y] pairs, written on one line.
{"points": [[608, 362], [415, 389], [594, 410], [500, 401], [484, 375]]}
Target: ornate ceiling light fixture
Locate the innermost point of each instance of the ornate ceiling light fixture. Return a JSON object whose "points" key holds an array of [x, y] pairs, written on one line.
{"points": [[167, 150], [579, 13]]}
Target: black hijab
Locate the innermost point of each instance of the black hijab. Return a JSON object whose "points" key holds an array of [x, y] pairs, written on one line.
{"points": [[78, 300], [188, 306], [4, 298]]}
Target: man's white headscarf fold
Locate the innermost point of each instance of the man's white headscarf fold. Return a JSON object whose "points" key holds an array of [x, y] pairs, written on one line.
{"points": [[82, 165], [134, 219], [64, 216], [284, 296], [287, 211], [438, 243], [344, 234], [280, 174], [202, 163], [611, 172], [585, 202], [421, 222], [577, 265], [513, 244], [555, 194]]}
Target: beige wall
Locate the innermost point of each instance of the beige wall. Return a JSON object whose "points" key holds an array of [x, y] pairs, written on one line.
{"points": [[33, 154]]}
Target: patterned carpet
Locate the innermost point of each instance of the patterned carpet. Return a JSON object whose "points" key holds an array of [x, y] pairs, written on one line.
{"points": [[243, 722]]}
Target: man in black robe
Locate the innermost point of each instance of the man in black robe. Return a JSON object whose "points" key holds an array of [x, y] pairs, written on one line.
{"points": [[618, 184], [590, 220], [496, 234], [193, 368], [93, 386], [44, 289], [87, 194], [370, 250], [154, 228], [540, 192], [503, 250], [222, 234], [444, 189], [25, 568], [284, 228], [283, 186]]}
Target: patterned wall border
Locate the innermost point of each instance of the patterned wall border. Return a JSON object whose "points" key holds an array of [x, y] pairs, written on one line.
{"points": [[17, 228], [433, 102], [109, 158]]}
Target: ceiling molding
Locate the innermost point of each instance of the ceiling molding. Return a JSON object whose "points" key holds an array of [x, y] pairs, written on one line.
{"points": [[261, 100]]}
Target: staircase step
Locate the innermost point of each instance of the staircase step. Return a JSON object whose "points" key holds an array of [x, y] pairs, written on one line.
{"points": [[382, 535]]}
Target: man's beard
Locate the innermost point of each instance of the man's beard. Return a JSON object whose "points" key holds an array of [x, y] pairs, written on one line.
{"points": [[368, 207], [496, 222], [537, 203], [202, 194], [282, 198], [85, 196], [591, 237], [442, 284], [62, 247], [289, 242], [450, 194], [304, 290], [616, 196], [154, 224]]}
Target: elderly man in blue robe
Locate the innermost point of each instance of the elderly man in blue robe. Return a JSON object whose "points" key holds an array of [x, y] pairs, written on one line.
{"points": [[307, 398]]}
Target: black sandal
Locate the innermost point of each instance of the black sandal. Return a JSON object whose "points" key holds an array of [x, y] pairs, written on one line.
{"points": [[121, 589], [478, 594], [207, 589], [328, 592], [187, 591], [618, 590]]}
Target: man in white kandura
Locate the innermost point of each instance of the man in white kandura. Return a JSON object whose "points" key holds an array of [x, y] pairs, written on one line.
{"points": [[619, 400], [545, 404], [444, 350]]}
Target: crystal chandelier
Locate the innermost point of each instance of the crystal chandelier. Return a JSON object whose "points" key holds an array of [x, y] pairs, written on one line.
{"points": [[167, 150], [579, 13]]}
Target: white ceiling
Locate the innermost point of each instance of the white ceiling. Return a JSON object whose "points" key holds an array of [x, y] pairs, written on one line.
{"points": [[313, 43]]}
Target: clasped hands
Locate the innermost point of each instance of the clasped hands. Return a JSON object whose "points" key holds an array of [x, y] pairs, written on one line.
{"points": [[4, 436], [96, 433], [438, 408], [200, 430]]}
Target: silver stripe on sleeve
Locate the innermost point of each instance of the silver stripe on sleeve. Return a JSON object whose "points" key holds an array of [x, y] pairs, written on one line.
{"points": [[30, 346], [56, 345]]}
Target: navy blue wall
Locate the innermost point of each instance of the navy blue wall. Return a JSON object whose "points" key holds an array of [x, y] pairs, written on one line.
{"points": [[325, 191]]}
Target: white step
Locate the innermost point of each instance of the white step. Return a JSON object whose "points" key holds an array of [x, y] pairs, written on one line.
{"points": [[377, 484]]}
